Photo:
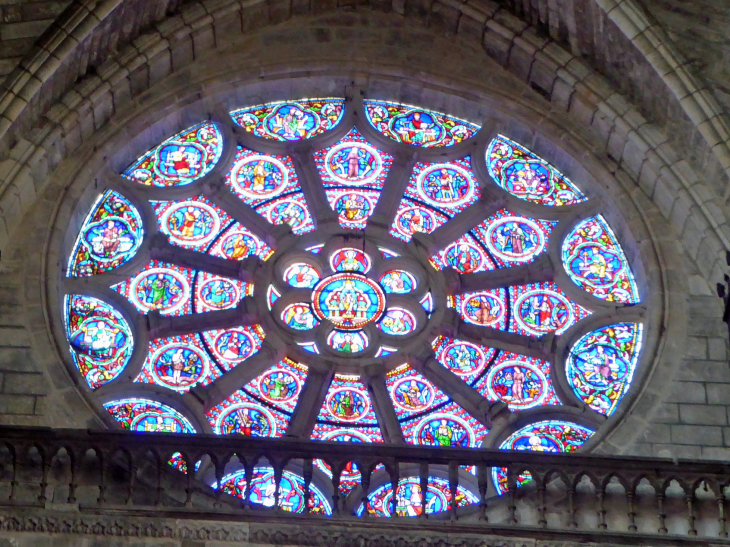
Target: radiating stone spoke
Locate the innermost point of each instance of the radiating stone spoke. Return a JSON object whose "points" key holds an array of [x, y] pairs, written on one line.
{"points": [[309, 403], [242, 315], [383, 405], [539, 348], [534, 272]]}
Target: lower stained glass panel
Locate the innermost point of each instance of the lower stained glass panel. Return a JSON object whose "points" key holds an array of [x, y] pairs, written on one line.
{"points": [[148, 416]]}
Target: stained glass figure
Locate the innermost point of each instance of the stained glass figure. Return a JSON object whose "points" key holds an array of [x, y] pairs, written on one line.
{"points": [[263, 407], [270, 185], [465, 359], [540, 308], [159, 286], [529, 177], [550, 436], [178, 363], [416, 126], [387, 253], [291, 120], [311, 347], [213, 292], [398, 282], [595, 261], [272, 295], [347, 407], [315, 249], [348, 342], [501, 241], [148, 416], [601, 365], [99, 338], [230, 347], [109, 237], [435, 193], [299, 316], [191, 223], [263, 488], [181, 159], [350, 260], [409, 502], [397, 322], [483, 308], [348, 300], [302, 276], [427, 416], [353, 172], [427, 303], [384, 351]]}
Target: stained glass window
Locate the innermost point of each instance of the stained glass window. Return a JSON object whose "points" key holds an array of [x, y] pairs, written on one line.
{"points": [[595, 261], [398, 282], [263, 407], [501, 241], [409, 502], [348, 301], [348, 342], [298, 316], [397, 322], [100, 339], [110, 236], [529, 177], [302, 276], [347, 408], [601, 365], [550, 436], [427, 415], [291, 120], [181, 159], [350, 260], [263, 489], [416, 126], [148, 416]]}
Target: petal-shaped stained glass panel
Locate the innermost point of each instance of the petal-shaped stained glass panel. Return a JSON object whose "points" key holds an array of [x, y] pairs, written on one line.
{"points": [[213, 292], [435, 193], [348, 342], [148, 416], [181, 159], [501, 241], [601, 365], [263, 488], [549, 436], [159, 286], [271, 186], [417, 126], [595, 261], [529, 177], [427, 415], [263, 407], [409, 503], [109, 237], [291, 120], [100, 340], [347, 408]]}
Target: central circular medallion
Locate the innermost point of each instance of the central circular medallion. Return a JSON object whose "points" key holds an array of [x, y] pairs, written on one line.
{"points": [[348, 300]]}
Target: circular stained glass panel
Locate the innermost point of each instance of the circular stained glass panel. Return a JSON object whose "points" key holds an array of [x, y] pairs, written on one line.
{"points": [[465, 257], [397, 322], [299, 316], [161, 289], [248, 419], [350, 260], [519, 384], [444, 430], [348, 301], [233, 345], [348, 342], [302, 276], [191, 223], [411, 220], [179, 366], [348, 404], [464, 358], [413, 394], [445, 185], [259, 177], [353, 163], [482, 309], [515, 238], [543, 311], [398, 282]]}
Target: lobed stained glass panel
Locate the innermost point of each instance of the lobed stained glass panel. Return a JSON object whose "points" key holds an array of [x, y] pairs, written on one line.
{"points": [[109, 237], [159, 286], [427, 415], [529, 177], [409, 503], [263, 489], [501, 241], [263, 407], [601, 365], [291, 120], [436, 192], [347, 408], [213, 292], [99, 338], [416, 126], [551, 436], [148, 416], [181, 159], [270, 185], [595, 261]]}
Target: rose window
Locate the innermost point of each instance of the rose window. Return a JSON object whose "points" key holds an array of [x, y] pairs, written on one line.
{"points": [[351, 271]]}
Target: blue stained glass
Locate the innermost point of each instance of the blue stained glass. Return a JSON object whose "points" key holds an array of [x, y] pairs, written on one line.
{"points": [[291, 120], [397, 322], [100, 340], [213, 292], [350, 260], [311, 347], [398, 282], [191, 223], [348, 342], [387, 253], [272, 295], [148, 416], [181, 159], [348, 300], [315, 249], [601, 365], [302, 276], [427, 303], [109, 237], [384, 351], [159, 286], [298, 316]]}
